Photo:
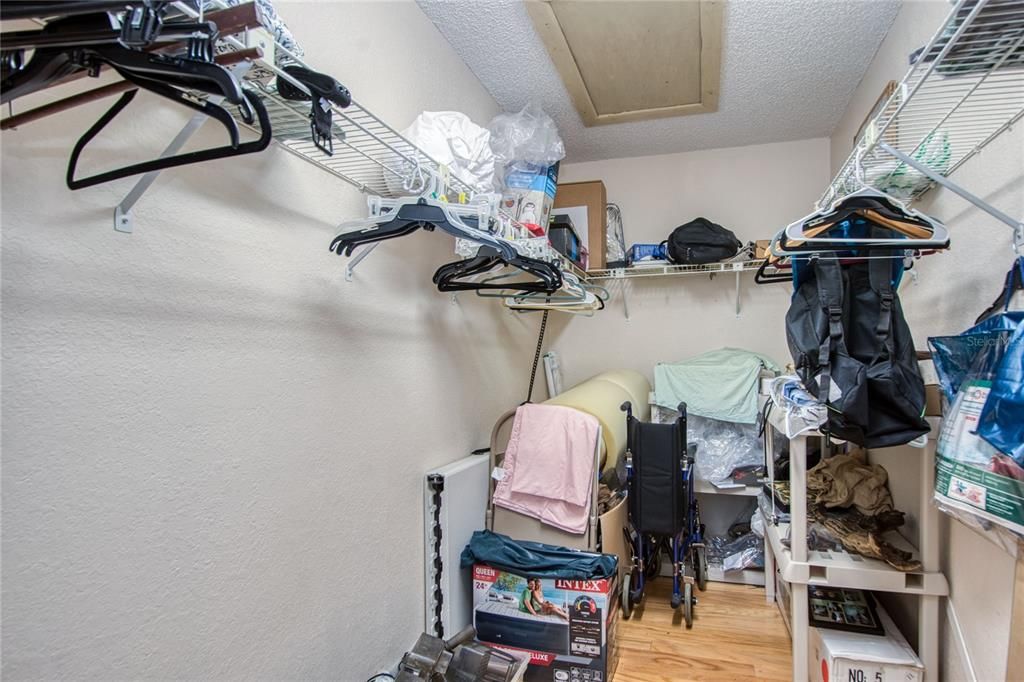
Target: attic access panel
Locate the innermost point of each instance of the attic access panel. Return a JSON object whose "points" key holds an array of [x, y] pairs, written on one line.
{"points": [[631, 60]]}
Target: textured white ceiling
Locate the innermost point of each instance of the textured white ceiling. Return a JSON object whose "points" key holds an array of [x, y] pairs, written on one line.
{"points": [[789, 68]]}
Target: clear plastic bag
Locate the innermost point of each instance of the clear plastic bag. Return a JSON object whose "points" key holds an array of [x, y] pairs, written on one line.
{"points": [[615, 240], [746, 551], [723, 446], [528, 135]]}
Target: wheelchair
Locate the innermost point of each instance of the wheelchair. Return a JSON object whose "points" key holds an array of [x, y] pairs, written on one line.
{"points": [[664, 516]]}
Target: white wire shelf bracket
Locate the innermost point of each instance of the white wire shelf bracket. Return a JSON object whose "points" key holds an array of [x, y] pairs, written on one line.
{"points": [[964, 89]]}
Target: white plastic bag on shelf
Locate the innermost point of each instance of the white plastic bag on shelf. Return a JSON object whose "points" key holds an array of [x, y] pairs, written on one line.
{"points": [[528, 135], [451, 139]]}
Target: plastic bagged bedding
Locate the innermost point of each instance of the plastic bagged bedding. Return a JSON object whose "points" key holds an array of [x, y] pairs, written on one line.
{"points": [[453, 140], [721, 446], [746, 551]]}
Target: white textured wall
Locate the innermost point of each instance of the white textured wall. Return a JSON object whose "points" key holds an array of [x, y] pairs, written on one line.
{"points": [[213, 445], [752, 191], [953, 288]]}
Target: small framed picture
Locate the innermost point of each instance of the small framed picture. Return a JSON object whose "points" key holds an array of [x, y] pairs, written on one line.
{"points": [[843, 609]]}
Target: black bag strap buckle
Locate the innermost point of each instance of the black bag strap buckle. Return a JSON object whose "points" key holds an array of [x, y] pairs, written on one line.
{"points": [[141, 25]]}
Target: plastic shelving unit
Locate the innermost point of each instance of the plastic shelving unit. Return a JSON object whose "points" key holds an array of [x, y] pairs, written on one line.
{"points": [[799, 567]]}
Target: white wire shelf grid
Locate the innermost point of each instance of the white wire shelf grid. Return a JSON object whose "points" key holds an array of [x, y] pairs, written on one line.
{"points": [[641, 270], [368, 153], [963, 90]]}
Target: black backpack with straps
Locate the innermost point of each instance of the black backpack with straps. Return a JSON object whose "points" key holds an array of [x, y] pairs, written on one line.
{"points": [[853, 350]]}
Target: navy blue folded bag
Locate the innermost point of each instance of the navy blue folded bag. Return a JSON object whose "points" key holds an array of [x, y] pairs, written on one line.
{"points": [[536, 559]]}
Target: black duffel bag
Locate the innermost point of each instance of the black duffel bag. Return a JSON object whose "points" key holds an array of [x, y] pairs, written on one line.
{"points": [[701, 241]]}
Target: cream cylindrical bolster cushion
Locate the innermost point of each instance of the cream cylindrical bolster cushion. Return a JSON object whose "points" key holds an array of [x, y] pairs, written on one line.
{"points": [[636, 385], [602, 399]]}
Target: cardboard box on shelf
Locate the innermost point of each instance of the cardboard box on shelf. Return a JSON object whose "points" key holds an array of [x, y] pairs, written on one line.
{"points": [[591, 195], [761, 248], [529, 194], [573, 639], [839, 655]]}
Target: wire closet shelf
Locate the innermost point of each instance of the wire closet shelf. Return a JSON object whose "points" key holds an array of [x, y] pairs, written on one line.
{"points": [[640, 270], [368, 153], [963, 89]]}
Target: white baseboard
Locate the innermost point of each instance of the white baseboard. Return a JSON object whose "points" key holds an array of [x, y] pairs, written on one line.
{"points": [[958, 637]]}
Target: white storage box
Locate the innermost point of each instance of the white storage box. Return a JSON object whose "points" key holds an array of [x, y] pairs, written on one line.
{"points": [[838, 656]]}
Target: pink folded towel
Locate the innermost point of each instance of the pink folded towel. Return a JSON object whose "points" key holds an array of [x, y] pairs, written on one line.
{"points": [[549, 466]]}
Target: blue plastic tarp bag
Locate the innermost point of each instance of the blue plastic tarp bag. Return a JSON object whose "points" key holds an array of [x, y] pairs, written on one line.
{"points": [[974, 481], [1001, 335], [536, 559], [954, 356], [1002, 419]]}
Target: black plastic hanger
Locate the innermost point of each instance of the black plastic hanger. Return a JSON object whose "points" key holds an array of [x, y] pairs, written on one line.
{"points": [[404, 220], [86, 41], [325, 91], [33, 9], [760, 277], [213, 110], [451, 276]]}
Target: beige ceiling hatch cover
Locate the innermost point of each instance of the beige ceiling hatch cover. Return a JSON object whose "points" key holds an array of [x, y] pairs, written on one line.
{"points": [[630, 60]]}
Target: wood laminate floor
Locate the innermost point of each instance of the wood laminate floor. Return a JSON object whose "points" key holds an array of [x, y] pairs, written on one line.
{"points": [[736, 635]]}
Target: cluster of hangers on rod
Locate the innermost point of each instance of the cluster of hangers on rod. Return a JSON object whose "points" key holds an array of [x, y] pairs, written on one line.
{"points": [[154, 47], [501, 260], [863, 225]]}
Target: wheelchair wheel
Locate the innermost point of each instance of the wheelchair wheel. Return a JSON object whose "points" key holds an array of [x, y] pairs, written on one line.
{"points": [[688, 604], [627, 601], [700, 567]]}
